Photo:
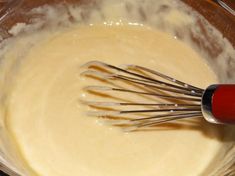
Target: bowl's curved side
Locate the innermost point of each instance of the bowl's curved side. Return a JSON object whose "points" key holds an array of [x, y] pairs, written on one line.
{"points": [[217, 15]]}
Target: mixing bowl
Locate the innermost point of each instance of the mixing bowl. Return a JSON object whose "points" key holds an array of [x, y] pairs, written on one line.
{"points": [[220, 14]]}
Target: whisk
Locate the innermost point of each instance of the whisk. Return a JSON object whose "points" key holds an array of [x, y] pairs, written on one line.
{"points": [[180, 100]]}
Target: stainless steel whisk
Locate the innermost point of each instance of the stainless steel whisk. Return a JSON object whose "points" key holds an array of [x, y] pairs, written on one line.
{"points": [[182, 101]]}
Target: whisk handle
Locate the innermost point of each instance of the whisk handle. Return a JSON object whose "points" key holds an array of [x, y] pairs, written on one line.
{"points": [[218, 103]]}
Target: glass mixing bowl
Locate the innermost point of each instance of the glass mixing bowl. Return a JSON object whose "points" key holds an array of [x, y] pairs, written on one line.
{"points": [[218, 13]]}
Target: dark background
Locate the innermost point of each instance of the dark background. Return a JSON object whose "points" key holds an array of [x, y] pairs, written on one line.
{"points": [[2, 174]]}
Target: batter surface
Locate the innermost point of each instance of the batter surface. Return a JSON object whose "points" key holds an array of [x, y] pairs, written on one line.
{"points": [[57, 138]]}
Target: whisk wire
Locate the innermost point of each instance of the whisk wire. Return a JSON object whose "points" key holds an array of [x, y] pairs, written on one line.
{"points": [[183, 86], [104, 88], [183, 100], [168, 78]]}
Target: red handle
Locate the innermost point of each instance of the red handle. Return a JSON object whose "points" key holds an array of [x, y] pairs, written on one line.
{"points": [[223, 103]]}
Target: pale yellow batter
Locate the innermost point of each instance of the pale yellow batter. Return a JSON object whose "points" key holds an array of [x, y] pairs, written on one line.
{"points": [[57, 138], [45, 129]]}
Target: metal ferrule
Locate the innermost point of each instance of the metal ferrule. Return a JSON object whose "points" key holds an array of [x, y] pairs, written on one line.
{"points": [[206, 103]]}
